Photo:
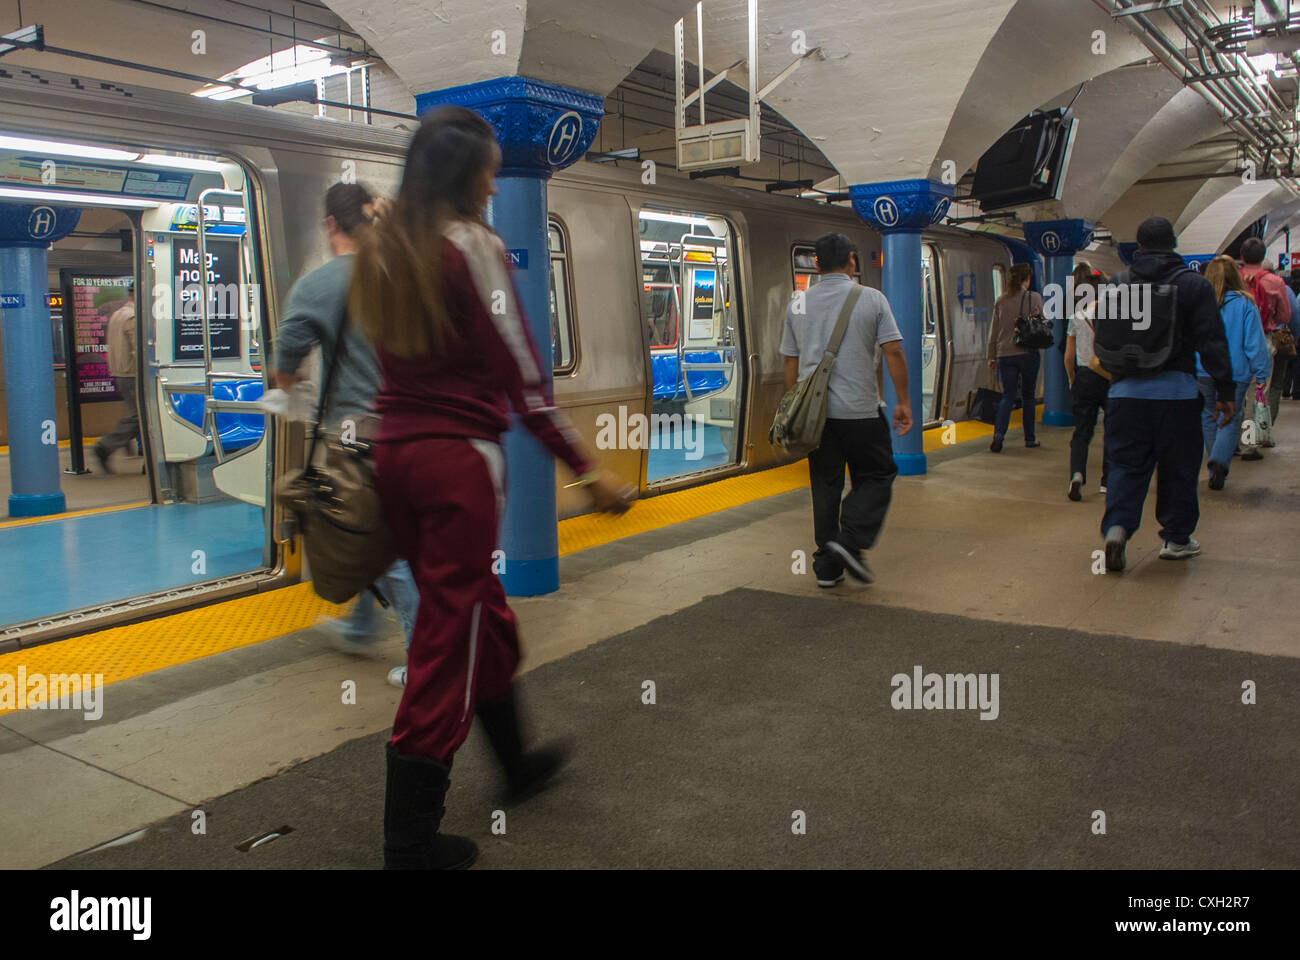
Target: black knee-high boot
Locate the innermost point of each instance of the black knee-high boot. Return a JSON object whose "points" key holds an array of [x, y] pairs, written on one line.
{"points": [[527, 773], [413, 809]]}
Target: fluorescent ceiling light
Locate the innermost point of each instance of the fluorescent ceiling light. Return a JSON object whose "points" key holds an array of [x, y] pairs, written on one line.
{"points": [[77, 199], [669, 217], [284, 67], [65, 149], [180, 163]]}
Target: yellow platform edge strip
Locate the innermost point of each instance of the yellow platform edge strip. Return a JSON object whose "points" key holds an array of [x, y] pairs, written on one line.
{"points": [[120, 653]]}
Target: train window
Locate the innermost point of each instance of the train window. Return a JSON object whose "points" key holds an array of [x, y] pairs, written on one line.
{"points": [[562, 353], [804, 259], [999, 281]]}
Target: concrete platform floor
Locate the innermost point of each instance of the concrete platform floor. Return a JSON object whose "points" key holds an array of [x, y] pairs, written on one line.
{"points": [[987, 539]]}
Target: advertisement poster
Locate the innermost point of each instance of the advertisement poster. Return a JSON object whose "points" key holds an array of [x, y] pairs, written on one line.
{"points": [[223, 297], [90, 300], [702, 304]]}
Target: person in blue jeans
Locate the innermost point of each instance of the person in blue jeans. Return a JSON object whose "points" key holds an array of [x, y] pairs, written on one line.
{"points": [[1153, 419], [1249, 353], [315, 314], [1017, 367]]}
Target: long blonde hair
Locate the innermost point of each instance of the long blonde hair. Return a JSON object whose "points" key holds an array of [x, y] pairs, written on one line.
{"points": [[397, 285], [1223, 274]]}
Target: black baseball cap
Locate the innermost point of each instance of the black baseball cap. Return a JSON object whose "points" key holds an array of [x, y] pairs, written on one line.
{"points": [[1157, 233]]}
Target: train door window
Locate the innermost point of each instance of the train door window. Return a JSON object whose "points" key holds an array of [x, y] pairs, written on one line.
{"points": [[999, 281], [804, 260], [200, 439], [691, 311], [932, 345], [562, 326]]}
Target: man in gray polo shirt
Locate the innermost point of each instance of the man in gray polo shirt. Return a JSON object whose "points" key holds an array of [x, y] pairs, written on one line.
{"points": [[856, 434]]}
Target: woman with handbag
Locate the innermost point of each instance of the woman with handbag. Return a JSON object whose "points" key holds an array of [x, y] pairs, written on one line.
{"points": [[1248, 350], [1015, 362], [433, 290]]}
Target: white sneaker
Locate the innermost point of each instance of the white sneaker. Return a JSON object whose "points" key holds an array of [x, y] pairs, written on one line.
{"points": [[397, 677], [1180, 551]]}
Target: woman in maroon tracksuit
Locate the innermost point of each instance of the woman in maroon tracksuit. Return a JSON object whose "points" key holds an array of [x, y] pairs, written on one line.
{"points": [[434, 293]]}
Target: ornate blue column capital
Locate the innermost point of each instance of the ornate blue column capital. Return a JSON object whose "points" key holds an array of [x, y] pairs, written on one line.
{"points": [[1058, 238], [35, 224], [542, 127], [1196, 261], [901, 204]]}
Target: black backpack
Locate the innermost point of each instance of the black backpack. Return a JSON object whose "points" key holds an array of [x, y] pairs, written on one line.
{"points": [[1125, 348]]}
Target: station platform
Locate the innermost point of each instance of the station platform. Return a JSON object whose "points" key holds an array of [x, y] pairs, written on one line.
{"points": [[1119, 693]]}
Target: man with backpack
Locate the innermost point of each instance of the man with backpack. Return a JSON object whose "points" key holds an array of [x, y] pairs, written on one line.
{"points": [[1153, 414]]}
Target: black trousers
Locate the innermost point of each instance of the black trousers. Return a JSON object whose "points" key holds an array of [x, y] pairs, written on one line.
{"points": [[863, 445], [1153, 436], [1088, 398]]}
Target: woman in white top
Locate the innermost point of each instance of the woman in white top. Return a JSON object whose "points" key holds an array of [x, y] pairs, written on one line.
{"points": [[1088, 389]]}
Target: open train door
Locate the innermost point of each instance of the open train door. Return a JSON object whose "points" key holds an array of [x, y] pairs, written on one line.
{"points": [[206, 364], [692, 312]]}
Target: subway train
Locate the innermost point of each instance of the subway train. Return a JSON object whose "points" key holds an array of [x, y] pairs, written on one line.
{"points": [[667, 306]]}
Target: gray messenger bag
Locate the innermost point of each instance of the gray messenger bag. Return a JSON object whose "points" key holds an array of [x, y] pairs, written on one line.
{"points": [[801, 416]]}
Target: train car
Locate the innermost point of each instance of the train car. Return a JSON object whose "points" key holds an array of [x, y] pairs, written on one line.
{"points": [[667, 305]]}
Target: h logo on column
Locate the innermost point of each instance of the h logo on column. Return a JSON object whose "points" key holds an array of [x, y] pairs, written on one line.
{"points": [[35, 225], [1058, 238], [901, 204], [541, 127]]}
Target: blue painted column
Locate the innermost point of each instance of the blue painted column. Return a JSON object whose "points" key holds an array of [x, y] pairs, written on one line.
{"points": [[541, 127], [1197, 261], [26, 231], [1057, 241], [900, 210]]}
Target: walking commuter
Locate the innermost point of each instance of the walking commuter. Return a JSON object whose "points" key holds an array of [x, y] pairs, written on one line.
{"points": [[1088, 388], [1153, 421], [1017, 367], [856, 433], [1249, 355], [1271, 297], [434, 292], [316, 314], [120, 343], [1291, 362]]}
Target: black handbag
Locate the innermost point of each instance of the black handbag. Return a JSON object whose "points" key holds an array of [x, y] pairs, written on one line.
{"points": [[1033, 332]]}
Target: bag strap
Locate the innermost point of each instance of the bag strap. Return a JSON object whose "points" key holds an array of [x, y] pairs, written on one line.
{"points": [[842, 324], [328, 383], [1020, 310]]}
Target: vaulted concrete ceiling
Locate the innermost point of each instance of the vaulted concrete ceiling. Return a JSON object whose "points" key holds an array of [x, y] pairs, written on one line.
{"points": [[1226, 217], [588, 44]]}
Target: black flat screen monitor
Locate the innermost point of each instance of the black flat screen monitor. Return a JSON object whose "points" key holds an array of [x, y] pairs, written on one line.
{"points": [[1027, 164]]}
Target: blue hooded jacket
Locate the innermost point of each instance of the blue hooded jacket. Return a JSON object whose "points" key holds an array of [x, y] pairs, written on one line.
{"points": [[1246, 344]]}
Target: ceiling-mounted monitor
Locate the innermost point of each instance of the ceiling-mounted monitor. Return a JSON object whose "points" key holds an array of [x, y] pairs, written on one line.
{"points": [[1028, 163]]}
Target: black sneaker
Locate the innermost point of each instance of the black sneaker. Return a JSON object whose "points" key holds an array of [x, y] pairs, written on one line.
{"points": [[1252, 454], [1076, 484], [1218, 473], [829, 581], [996, 445], [852, 560], [102, 456], [1115, 540], [1032, 443]]}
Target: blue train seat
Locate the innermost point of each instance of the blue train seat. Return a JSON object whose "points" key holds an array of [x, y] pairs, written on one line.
{"points": [[667, 382], [237, 430]]}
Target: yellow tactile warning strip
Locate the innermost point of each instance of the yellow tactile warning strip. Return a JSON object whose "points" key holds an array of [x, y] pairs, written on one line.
{"points": [[120, 653], [53, 517], [63, 445]]}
